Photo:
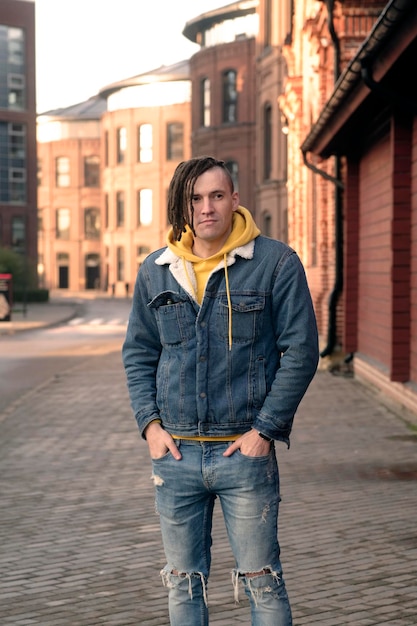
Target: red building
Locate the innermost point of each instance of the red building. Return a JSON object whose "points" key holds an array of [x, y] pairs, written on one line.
{"points": [[370, 123]]}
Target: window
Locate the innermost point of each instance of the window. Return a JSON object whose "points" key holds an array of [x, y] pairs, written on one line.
{"points": [[175, 141], [141, 253], [39, 172], [120, 263], [143, 250], [121, 145], [12, 163], [63, 221], [12, 68], [17, 184], [91, 171], [106, 148], [106, 210], [233, 168], [267, 141], [120, 209], [18, 234], [268, 23], [144, 204], [229, 96], [145, 142], [266, 224], [92, 223], [62, 172], [205, 102]]}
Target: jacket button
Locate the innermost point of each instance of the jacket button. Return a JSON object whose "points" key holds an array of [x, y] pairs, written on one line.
{"points": [[202, 394]]}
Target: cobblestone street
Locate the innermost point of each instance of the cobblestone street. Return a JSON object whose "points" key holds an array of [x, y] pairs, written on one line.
{"points": [[80, 542]]}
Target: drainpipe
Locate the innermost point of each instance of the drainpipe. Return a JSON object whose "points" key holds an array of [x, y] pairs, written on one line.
{"points": [[336, 180]]}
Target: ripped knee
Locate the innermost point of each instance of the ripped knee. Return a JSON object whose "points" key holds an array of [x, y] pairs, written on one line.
{"points": [[257, 583], [174, 579]]}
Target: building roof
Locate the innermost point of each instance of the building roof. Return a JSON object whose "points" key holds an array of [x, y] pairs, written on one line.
{"points": [[394, 31], [165, 73], [91, 109], [206, 20]]}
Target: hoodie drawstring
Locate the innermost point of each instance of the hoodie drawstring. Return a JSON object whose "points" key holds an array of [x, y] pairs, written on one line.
{"points": [[229, 301]]}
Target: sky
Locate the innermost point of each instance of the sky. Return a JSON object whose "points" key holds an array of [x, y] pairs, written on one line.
{"points": [[84, 45]]}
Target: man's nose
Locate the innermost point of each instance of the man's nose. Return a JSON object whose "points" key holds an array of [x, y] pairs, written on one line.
{"points": [[207, 206]]}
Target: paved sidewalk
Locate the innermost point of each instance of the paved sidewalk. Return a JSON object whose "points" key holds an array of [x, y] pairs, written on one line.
{"points": [[39, 314], [80, 542]]}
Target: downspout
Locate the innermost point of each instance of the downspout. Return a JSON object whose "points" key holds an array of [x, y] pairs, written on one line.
{"points": [[336, 180]]}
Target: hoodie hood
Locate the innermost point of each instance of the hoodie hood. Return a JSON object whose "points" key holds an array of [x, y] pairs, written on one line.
{"points": [[244, 230]]}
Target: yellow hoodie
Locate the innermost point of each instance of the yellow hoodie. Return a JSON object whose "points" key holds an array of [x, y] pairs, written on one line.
{"points": [[244, 230]]}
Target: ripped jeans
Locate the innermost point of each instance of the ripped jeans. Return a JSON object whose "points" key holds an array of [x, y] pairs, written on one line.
{"points": [[248, 490]]}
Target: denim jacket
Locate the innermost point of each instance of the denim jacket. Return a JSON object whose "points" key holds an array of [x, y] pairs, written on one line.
{"points": [[179, 365]]}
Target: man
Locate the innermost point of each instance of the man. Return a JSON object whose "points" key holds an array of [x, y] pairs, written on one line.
{"points": [[220, 348]]}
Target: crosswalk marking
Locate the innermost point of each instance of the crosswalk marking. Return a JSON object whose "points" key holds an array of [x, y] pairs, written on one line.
{"points": [[97, 321]]}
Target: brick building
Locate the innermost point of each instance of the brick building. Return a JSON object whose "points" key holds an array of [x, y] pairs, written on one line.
{"points": [[369, 122], [223, 76], [69, 196], [271, 124], [145, 133], [319, 47], [18, 219]]}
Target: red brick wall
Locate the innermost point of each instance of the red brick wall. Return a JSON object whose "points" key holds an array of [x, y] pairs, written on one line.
{"points": [[351, 257], [413, 260], [401, 145], [375, 256]]}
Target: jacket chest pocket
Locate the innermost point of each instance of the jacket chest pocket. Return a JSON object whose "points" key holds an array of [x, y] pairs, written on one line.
{"points": [[175, 318], [245, 320]]}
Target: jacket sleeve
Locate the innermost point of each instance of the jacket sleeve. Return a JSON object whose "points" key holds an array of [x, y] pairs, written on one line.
{"points": [[140, 353], [297, 342]]}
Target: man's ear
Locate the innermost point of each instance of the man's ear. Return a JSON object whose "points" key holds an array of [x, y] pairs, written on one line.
{"points": [[235, 200]]}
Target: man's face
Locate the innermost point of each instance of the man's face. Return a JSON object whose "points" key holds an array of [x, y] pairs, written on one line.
{"points": [[214, 204]]}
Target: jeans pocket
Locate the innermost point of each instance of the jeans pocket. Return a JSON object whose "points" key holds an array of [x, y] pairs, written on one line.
{"points": [[260, 458], [161, 458]]}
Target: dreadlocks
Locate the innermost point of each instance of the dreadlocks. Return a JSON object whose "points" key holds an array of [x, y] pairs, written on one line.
{"points": [[181, 189]]}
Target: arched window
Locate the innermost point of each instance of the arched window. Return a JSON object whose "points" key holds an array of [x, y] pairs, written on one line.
{"points": [[233, 168], [267, 141], [229, 96], [205, 102], [92, 223]]}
